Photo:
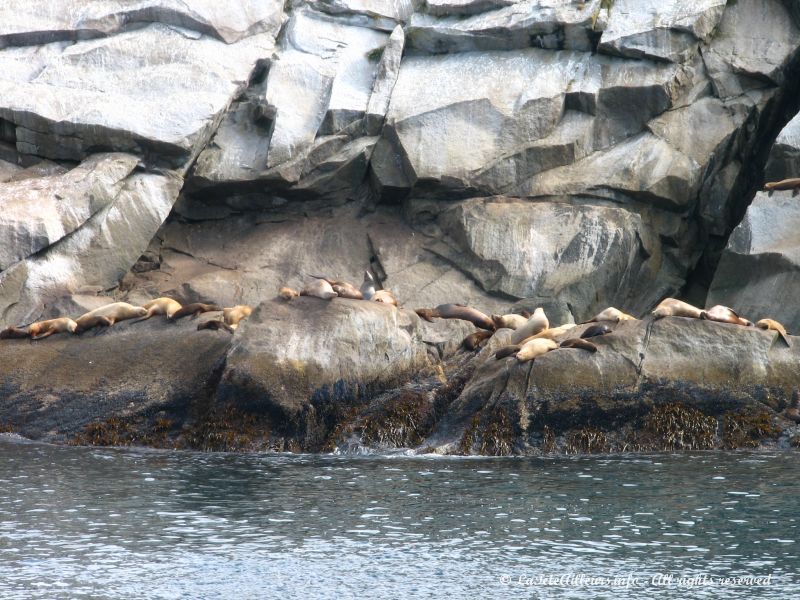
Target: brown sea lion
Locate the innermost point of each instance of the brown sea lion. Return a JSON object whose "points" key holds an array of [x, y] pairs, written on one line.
{"points": [[384, 296], [784, 184], [319, 289], [116, 311], [475, 340], [670, 307], [551, 333], [343, 289], [611, 314], [43, 329], [770, 324], [792, 412], [724, 314], [194, 309], [510, 321], [233, 315], [288, 293], [536, 324], [161, 306], [86, 323], [457, 311], [578, 343], [14, 333], [595, 330], [215, 326], [506, 351], [533, 348]]}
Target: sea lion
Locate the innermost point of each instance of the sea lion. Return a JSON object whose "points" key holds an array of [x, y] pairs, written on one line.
{"points": [[43, 329], [770, 324], [14, 333], [537, 323], [670, 307], [319, 289], [578, 343], [161, 306], [475, 340], [595, 330], [368, 286], [533, 348], [551, 333], [511, 321], [194, 309], [288, 293], [506, 351], [465, 313], [342, 288], [384, 296], [784, 184], [86, 323], [215, 325], [724, 314], [611, 314], [116, 311], [233, 315], [792, 412]]}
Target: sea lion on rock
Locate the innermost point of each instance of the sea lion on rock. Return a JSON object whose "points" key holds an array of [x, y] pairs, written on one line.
{"points": [[319, 289], [86, 323], [457, 311], [724, 314], [14, 333], [342, 288], [595, 330], [551, 333], [161, 306], [670, 307], [770, 324], [475, 340], [792, 412], [512, 321], [533, 348], [611, 314], [116, 311], [43, 329], [536, 324], [215, 326], [233, 315], [784, 184], [384, 296], [507, 351], [288, 293], [194, 309], [578, 343], [368, 286]]}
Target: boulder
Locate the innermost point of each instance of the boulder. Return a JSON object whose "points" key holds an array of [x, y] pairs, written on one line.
{"points": [[784, 158], [383, 15]]}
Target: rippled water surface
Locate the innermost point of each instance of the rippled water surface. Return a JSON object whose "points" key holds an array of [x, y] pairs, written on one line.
{"points": [[105, 523]]}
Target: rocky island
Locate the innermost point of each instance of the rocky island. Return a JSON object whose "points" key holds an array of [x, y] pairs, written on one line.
{"points": [[505, 155]]}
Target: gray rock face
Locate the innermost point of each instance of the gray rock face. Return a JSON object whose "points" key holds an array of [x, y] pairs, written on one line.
{"points": [[660, 30], [759, 268], [377, 14], [784, 158], [36, 215]]}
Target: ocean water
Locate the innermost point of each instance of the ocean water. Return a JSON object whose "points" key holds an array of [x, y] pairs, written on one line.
{"points": [[119, 523]]}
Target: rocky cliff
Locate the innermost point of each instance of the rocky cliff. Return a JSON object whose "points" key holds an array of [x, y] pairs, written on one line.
{"points": [[499, 153]]}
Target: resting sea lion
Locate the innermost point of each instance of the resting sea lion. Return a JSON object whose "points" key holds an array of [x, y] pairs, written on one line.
{"points": [[578, 343], [723, 314], [670, 307], [86, 323], [342, 288], [14, 333], [475, 340], [537, 323], [215, 326], [457, 311], [319, 289], [506, 351], [551, 333], [533, 348], [233, 315], [42, 329], [368, 287], [792, 412], [116, 311], [611, 314], [783, 184], [161, 306], [288, 293], [770, 324], [596, 330], [384, 296], [511, 321], [194, 309]]}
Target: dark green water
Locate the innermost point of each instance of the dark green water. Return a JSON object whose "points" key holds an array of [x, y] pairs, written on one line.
{"points": [[105, 523]]}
